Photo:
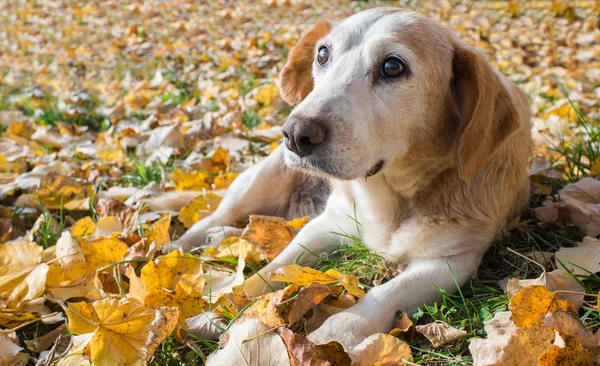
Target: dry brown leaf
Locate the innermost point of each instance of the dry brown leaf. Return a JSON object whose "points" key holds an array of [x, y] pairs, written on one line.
{"points": [[303, 352], [307, 298], [582, 201], [382, 350], [585, 256], [570, 326], [327, 308], [8, 350], [440, 333], [127, 215], [207, 325]]}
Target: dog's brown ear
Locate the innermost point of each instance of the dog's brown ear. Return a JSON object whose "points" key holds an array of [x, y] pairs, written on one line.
{"points": [[296, 82], [485, 108]]}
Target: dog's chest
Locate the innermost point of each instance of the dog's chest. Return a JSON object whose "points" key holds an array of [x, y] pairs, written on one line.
{"points": [[379, 211]]}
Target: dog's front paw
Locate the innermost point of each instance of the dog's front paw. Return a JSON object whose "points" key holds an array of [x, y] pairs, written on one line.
{"points": [[350, 327]]}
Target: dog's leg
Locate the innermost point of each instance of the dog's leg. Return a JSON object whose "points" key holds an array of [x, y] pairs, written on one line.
{"points": [[409, 290], [317, 237], [264, 189]]}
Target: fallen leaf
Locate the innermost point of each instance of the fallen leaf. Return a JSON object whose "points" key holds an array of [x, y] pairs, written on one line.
{"points": [[582, 258], [121, 330], [572, 354], [569, 325], [530, 304], [507, 345], [307, 298], [304, 276], [75, 356], [558, 279], [381, 349], [8, 350], [301, 276], [251, 343], [440, 333], [175, 279], [194, 181], [582, 201], [58, 191], [22, 275], [163, 325], [83, 227], [302, 351], [265, 308], [207, 325], [270, 233], [127, 215], [198, 209], [223, 181], [158, 232], [102, 252], [401, 325]]}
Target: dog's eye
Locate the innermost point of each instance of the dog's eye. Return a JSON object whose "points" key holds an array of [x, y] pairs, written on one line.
{"points": [[392, 67], [323, 55]]}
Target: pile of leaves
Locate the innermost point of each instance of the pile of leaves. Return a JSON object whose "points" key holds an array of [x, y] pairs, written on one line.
{"points": [[122, 124]]}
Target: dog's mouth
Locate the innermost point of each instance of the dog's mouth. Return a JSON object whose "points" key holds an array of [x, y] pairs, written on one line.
{"points": [[375, 169]]}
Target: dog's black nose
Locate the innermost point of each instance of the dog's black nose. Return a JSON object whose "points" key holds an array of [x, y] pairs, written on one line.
{"points": [[302, 135]]}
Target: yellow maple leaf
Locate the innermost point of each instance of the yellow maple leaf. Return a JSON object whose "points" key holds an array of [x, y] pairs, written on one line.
{"points": [[110, 155], [83, 227], [166, 271], [122, 330], [221, 160], [304, 276], [266, 94], [175, 279], [102, 252], [198, 209], [194, 181], [301, 276], [22, 273], [223, 181], [158, 232]]}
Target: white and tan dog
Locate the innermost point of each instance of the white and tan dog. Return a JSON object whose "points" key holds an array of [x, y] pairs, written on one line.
{"points": [[403, 125]]}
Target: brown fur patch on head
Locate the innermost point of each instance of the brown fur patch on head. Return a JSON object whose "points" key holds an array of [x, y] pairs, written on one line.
{"points": [[296, 77], [487, 116]]}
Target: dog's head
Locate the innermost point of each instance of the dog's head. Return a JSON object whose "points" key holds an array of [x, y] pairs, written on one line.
{"points": [[385, 84]]}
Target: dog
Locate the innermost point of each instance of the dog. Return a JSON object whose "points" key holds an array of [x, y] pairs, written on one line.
{"points": [[403, 126]]}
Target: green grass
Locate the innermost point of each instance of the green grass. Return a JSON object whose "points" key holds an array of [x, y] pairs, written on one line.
{"points": [[250, 120], [579, 153], [140, 175]]}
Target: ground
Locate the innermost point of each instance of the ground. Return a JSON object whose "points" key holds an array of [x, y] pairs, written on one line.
{"points": [[161, 104]]}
